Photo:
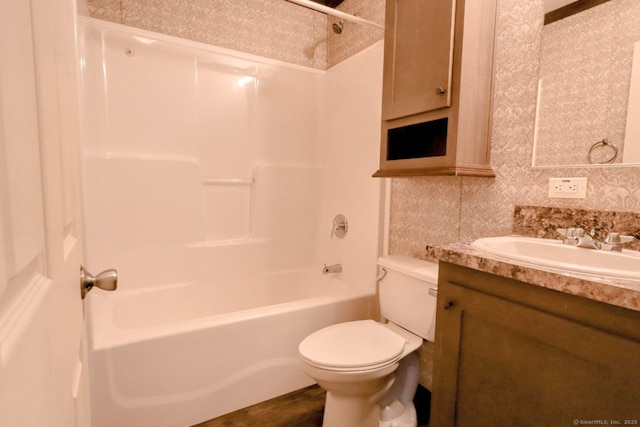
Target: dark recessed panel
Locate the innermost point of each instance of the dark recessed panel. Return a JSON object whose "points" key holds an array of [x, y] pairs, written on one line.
{"points": [[427, 139]]}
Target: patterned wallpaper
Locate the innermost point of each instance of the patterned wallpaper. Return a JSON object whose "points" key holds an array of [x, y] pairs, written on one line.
{"points": [[435, 210], [355, 37], [575, 62], [275, 29]]}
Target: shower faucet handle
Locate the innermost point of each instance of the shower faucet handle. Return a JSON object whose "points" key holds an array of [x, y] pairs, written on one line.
{"points": [[340, 226]]}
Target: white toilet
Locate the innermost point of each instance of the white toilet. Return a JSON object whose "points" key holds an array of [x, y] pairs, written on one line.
{"points": [[370, 370]]}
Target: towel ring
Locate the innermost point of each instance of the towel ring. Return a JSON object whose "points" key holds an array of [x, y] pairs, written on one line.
{"points": [[604, 143]]}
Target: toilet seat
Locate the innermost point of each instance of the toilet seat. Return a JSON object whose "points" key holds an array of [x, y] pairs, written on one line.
{"points": [[352, 346]]}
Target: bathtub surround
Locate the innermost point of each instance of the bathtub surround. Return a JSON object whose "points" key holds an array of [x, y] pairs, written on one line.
{"points": [[212, 180], [447, 209], [274, 29], [303, 145]]}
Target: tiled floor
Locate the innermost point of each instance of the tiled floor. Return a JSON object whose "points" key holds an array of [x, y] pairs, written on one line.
{"points": [[301, 408]]}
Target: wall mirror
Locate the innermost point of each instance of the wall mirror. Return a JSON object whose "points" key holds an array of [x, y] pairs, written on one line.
{"points": [[588, 107]]}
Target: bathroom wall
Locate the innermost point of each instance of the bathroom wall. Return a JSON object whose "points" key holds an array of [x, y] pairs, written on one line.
{"points": [[275, 29], [434, 210]]}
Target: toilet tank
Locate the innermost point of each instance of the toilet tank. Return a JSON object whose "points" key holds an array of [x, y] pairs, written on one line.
{"points": [[404, 293]]}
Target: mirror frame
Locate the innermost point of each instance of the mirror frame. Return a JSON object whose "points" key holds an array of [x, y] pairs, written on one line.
{"points": [[570, 9]]}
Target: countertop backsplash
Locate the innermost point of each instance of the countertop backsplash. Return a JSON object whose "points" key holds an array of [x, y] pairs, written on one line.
{"points": [[542, 222]]}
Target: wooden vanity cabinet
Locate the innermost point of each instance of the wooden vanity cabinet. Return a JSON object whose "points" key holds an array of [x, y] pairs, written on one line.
{"points": [[437, 87], [514, 354]]}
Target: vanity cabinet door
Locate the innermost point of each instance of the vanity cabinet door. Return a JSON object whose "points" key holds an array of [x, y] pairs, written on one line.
{"points": [[418, 56], [501, 362]]}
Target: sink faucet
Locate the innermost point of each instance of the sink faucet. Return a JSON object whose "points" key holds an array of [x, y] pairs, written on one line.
{"points": [[576, 236]]}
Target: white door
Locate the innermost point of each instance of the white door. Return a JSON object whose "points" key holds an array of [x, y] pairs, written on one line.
{"points": [[42, 381]]}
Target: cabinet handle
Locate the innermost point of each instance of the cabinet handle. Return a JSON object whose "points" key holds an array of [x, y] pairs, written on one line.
{"points": [[448, 304], [441, 91]]}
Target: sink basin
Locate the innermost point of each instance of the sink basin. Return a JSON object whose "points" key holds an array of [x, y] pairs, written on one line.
{"points": [[555, 254]]}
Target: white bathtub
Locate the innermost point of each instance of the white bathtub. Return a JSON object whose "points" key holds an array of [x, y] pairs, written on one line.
{"points": [[181, 354]]}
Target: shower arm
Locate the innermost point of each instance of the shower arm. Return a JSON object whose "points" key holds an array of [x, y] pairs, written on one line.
{"points": [[337, 13]]}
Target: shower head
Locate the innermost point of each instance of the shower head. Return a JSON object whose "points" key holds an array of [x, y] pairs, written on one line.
{"points": [[337, 27]]}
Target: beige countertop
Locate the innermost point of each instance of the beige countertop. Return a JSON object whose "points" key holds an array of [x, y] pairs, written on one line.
{"points": [[620, 292]]}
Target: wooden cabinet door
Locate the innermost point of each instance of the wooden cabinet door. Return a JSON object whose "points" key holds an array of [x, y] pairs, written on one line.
{"points": [[500, 363], [417, 57]]}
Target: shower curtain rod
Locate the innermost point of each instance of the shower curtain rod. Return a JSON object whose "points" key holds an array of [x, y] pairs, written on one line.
{"points": [[339, 14]]}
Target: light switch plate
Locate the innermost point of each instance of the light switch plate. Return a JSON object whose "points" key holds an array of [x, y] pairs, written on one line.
{"points": [[568, 188]]}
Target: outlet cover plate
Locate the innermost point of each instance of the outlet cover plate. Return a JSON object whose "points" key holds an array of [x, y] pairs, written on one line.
{"points": [[568, 188]]}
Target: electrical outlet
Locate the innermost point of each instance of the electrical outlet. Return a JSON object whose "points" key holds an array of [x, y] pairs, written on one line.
{"points": [[568, 188]]}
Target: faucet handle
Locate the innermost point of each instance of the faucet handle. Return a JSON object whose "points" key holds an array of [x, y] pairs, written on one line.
{"points": [[617, 239], [570, 235], [626, 239], [340, 226], [614, 241], [612, 238], [570, 232]]}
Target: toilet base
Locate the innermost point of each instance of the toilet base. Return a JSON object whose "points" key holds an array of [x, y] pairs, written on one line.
{"points": [[356, 403], [409, 418], [397, 405], [350, 411]]}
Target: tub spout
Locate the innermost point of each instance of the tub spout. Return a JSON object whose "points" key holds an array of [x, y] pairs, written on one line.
{"points": [[334, 268]]}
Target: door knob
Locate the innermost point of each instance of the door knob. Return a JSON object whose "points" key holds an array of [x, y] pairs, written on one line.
{"points": [[106, 280]]}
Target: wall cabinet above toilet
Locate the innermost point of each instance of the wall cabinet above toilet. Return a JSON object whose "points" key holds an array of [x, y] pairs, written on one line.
{"points": [[417, 63], [437, 87]]}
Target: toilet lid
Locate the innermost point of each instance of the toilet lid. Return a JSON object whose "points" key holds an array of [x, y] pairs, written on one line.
{"points": [[357, 344]]}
